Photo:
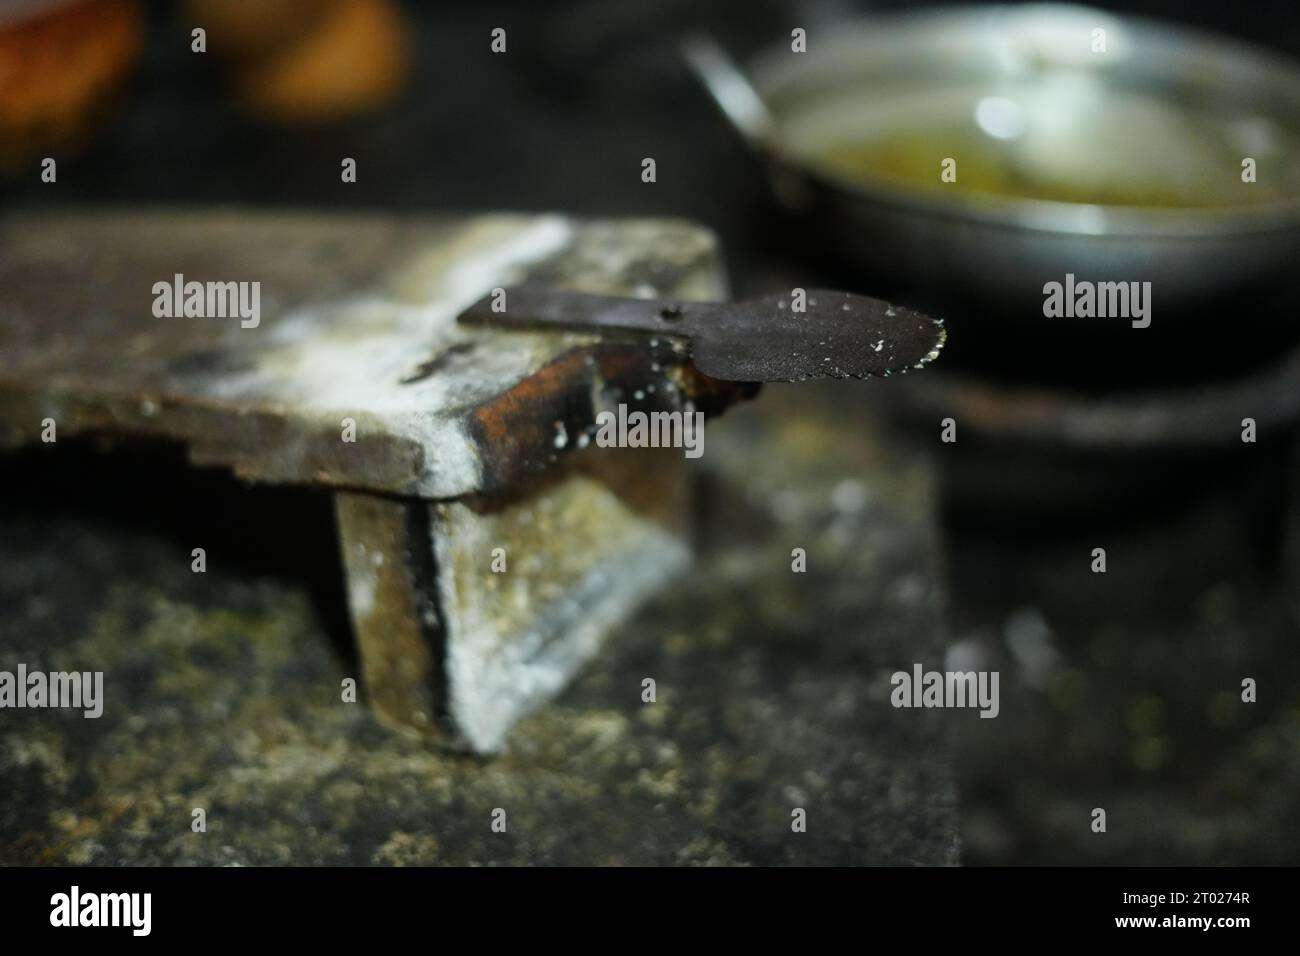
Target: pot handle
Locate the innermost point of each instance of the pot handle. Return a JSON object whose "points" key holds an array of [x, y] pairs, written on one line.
{"points": [[730, 89]]}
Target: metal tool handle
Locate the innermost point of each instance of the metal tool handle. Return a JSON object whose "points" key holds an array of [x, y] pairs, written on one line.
{"points": [[579, 312], [730, 89]]}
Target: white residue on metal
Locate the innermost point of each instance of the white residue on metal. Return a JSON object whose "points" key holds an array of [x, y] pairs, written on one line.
{"points": [[363, 581], [347, 357]]}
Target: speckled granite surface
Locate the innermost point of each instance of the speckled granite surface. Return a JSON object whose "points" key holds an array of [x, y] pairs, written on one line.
{"points": [[222, 689]]}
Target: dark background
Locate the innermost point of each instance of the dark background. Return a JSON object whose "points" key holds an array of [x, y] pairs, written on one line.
{"points": [[1123, 696]]}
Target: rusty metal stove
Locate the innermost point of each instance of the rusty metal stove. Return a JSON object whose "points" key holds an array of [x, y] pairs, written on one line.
{"points": [[441, 443]]}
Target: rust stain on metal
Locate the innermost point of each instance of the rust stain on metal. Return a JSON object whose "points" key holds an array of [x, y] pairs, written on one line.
{"points": [[512, 421]]}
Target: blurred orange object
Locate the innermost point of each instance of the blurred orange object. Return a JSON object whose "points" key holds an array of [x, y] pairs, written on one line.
{"points": [[60, 63], [255, 28], [308, 61]]}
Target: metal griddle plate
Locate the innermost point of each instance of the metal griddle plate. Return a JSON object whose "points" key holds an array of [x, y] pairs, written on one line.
{"points": [[358, 320]]}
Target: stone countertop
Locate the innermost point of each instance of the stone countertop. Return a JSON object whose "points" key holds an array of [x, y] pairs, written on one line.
{"points": [[223, 689]]}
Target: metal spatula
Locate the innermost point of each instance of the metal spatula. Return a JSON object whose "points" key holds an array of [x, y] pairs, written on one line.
{"points": [[773, 338]]}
